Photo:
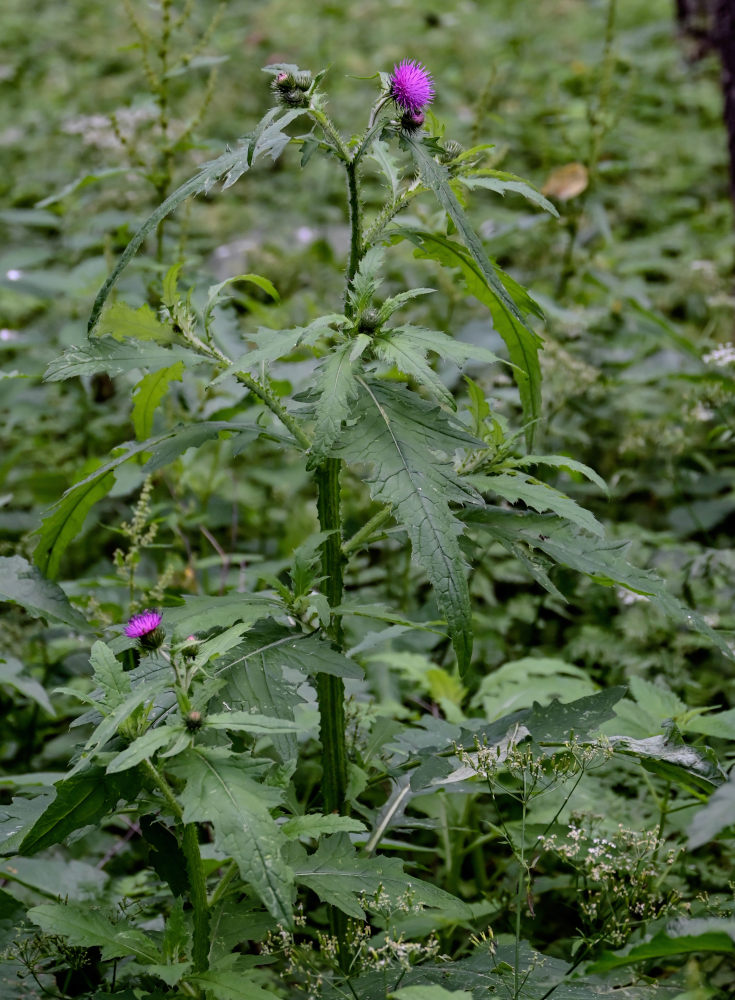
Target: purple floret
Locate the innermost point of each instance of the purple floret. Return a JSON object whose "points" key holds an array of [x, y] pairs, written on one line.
{"points": [[411, 86], [142, 624]]}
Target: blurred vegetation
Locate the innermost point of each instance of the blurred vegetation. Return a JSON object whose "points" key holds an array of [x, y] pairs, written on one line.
{"points": [[102, 115]]}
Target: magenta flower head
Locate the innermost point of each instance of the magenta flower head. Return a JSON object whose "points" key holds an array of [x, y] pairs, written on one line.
{"points": [[411, 86], [145, 627]]}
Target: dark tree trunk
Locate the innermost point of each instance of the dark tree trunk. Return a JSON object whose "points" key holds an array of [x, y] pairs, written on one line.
{"points": [[723, 38]]}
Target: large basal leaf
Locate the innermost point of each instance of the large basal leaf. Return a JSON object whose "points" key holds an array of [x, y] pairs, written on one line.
{"points": [[114, 357], [400, 437], [80, 801], [219, 791], [716, 816], [267, 139], [86, 928], [23, 584], [603, 561], [342, 877]]}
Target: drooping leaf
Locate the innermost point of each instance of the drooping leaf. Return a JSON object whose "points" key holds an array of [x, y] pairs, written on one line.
{"points": [[400, 437], [342, 877], [144, 747], [522, 342], [218, 790], [604, 561], [64, 520], [717, 815], [668, 756], [114, 357], [267, 139], [500, 181], [12, 676], [563, 462], [85, 927], [148, 393], [200, 613], [23, 584]]}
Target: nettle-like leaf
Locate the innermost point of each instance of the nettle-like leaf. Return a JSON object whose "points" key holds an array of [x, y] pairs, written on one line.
{"points": [[515, 486], [267, 139], [219, 790], [717, 815], [400, 437], [336, 389], [344, 878], [604, 561]]}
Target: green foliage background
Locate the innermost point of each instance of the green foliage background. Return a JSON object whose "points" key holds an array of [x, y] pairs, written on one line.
{"points": [[635, 280]]}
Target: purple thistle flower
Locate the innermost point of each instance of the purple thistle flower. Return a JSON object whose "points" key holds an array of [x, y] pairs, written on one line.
{"points": [[142, 624], [411, 86]]}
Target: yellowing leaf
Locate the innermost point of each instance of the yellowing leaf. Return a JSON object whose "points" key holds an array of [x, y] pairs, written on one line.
{"points": [[566, 182]]}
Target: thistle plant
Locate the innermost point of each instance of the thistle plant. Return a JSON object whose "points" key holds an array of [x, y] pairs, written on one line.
{"points": [[262, 844]]}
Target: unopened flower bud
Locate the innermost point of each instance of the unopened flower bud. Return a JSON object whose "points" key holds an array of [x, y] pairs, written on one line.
{"points": [[411, 121], [452, 149], [303, 79], [190, 647], [369, 321], [193, 721]]}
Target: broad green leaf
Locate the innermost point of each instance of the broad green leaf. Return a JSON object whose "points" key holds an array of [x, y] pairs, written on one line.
{"points": [[314, 825], [86, 928], [23, 584], [219, 791], [340, 876], [336, 390], [442, 344], [721, 725], [522, 342], [81, 800], [500, 181], [515, 486], [521, 682], [114, 357], [55, 878], [148, 393], [275, 644], [267, 139], [65, 519], [663, 945], [399, 437], [716, 816], [123, 322], [12, 913], [602, 560]]}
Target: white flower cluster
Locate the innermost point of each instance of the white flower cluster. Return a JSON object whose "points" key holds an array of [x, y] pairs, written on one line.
{"points": [[721, 356]]}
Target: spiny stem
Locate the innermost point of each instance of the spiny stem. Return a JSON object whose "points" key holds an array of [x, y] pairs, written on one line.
{"points": [[197, 896], [356, 248]]}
